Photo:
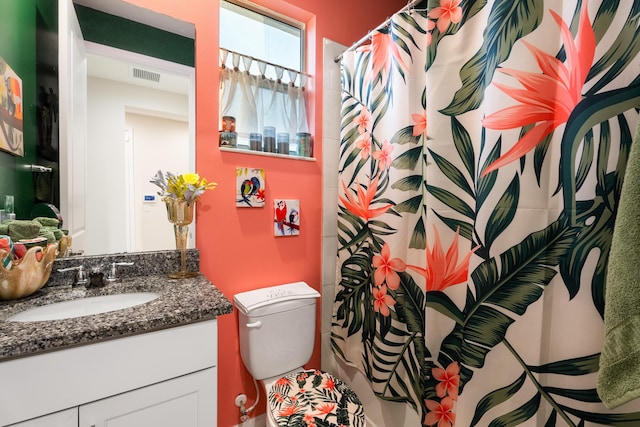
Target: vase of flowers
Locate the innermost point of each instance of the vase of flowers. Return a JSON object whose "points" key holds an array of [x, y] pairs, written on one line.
{"points": [[180, 193]]}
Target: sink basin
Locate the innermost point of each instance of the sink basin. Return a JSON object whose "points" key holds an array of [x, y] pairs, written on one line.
{"points": [[83, 307]]}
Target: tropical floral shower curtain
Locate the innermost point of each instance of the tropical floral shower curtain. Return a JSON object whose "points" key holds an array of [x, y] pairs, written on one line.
{"points": [[483, 146]]}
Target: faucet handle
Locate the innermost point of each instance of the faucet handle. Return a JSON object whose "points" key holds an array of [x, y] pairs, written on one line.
{"points": [[80, 277], [112, 276]]}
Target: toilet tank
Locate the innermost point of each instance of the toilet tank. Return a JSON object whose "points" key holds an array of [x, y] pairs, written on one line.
{"points": [[277, 328]]}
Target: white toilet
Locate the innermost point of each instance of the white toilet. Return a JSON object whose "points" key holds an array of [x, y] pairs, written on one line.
{"points": [[277, 328]]}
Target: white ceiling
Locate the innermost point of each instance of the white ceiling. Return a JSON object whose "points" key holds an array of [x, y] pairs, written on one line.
{"points": [[109, 68]]}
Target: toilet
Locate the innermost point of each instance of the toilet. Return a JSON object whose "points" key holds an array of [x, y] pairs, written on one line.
{"points": [[277, 328]]}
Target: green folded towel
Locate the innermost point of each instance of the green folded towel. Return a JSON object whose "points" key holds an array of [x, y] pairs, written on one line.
{"points": [[47, 234], [47, 222], [55, 230], [23, 229], [619, 373], [4, 229]]}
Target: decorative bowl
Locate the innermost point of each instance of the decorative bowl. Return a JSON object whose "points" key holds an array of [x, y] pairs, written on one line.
{"points": [[28, 274]]}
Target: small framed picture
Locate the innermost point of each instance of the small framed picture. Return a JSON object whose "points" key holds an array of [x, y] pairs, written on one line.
{"points": [[286, 217], [250, 188]]}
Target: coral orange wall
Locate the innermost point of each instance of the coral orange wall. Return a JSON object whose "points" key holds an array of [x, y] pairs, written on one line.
{"points": [[237, 249]]}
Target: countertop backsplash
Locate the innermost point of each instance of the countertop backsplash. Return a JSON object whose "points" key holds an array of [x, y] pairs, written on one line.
{"points": [[144, 264]]}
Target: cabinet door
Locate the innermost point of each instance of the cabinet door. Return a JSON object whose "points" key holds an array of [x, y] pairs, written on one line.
{"points": [[187, 401], [68, 418]]}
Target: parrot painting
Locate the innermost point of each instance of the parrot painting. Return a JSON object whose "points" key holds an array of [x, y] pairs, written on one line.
{"points": [[280, 215], [286, 217], [249, 188]]}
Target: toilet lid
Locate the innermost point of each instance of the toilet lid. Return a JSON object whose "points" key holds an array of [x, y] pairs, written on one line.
{"points": [[314, 397]]}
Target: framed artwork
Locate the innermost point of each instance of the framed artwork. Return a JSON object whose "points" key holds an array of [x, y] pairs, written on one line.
{"points": [[286, 217], [11, 112], [250, 188]]}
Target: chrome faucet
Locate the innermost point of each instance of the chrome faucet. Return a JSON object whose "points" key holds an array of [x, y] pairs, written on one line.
{"points": [[112, 275], [80, 278]]}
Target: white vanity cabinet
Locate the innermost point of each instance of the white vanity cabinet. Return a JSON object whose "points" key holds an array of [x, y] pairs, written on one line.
{"points": [[162, 378], [188, 401]]}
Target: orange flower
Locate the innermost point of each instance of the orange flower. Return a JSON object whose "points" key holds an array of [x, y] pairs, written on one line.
{"points": [[290, 410], [383, 155], [325, 408], [363, 120], [386, 268], [420, 123], [329, 384], [440, 413], [364, 144], [449, 380], [360, 206], [383, 50], [547, 99], [442, 271], [382, 301], [284, 381], [448, 12]]}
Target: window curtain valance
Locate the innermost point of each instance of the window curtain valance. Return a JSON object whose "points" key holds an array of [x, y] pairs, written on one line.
{"points": [[258, 94]]}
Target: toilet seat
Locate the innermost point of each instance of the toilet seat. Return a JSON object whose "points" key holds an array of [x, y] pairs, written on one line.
{"points": [[313, 396]]}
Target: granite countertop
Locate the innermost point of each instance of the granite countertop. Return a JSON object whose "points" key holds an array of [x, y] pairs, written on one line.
{"points": [[179, 302]]}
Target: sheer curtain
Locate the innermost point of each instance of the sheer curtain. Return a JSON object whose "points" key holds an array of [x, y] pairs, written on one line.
{"points": [[256, 100]]}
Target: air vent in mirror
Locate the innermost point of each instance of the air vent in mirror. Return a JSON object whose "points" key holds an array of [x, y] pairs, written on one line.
{"points": [[145, 74]]}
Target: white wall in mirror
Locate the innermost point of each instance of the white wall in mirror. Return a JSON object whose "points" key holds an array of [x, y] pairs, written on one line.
{"points": [[153, 141], [133, 129]]}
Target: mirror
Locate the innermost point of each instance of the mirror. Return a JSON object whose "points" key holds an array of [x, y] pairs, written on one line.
{"points": [[140, 117]]}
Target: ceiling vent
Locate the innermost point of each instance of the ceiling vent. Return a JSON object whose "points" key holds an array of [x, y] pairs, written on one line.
{"points": [[145, 75]]}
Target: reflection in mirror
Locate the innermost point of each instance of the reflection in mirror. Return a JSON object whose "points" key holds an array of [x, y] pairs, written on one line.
{"points": [[140, 118]]}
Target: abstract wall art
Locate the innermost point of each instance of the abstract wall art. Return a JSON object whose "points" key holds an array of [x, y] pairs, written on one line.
{"points": [[11, 133]]}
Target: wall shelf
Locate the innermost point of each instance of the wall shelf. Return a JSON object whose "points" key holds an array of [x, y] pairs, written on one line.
{"points": [[265, 154]]}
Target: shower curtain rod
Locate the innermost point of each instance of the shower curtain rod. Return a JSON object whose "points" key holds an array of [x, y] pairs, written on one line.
{"points": [[409, 5]]}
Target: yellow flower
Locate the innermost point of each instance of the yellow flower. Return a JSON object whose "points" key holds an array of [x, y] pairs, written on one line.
{"points": [[191, 178], [188, 187]]}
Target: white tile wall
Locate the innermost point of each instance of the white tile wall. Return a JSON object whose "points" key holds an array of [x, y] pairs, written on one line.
{"points": [[330, 145]]}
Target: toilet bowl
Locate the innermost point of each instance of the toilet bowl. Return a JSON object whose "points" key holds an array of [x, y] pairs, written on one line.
{"points": [[276, 329]]}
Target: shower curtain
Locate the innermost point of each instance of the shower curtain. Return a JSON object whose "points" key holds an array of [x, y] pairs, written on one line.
{"points": [[483, 147]]}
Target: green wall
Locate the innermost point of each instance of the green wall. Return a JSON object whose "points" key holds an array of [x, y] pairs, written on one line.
{"points": [[98, 27], [18, 48]]}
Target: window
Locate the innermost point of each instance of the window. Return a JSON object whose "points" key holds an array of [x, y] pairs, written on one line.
{"points": [[253, 34], [261, 76]]}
